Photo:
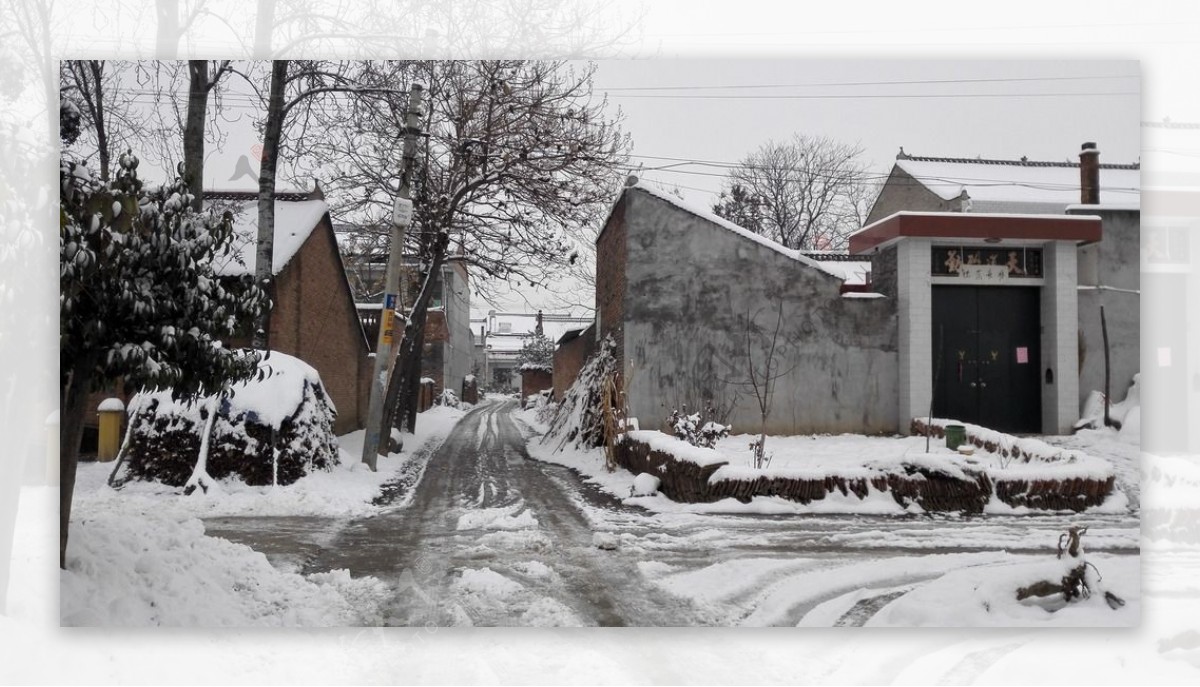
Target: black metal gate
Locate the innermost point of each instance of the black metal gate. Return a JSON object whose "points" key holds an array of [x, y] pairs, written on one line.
{"points": [[988, 372]]}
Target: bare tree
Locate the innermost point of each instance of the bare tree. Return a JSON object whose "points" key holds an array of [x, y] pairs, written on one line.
{"points": [[520, 157], [808, 190], [766, 362]]}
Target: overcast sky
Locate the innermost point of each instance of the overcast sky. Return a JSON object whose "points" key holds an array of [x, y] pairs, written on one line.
{"points": [[952, 108]]}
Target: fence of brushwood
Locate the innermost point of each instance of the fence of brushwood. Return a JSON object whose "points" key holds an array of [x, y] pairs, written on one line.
{"points": [[688, 482]]}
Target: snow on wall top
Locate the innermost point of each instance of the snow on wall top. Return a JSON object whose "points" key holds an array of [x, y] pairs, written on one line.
{"points": [[708, 215], [994, 182], [294, 223], [852, 272]]}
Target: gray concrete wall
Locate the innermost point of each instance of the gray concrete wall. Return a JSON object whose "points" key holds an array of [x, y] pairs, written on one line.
{"points": [[1114, 264], [692, 286], [902, 192], [460, 349]]}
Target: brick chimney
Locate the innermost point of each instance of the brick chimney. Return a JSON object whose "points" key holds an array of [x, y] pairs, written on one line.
{"points": [[539, 330], [1089, 174]]}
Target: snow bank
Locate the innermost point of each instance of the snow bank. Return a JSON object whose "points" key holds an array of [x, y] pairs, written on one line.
{"points": [[983, 597], [149, 570]]}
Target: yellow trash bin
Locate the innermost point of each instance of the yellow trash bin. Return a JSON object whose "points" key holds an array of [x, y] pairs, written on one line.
{"points": [[111, 411]]}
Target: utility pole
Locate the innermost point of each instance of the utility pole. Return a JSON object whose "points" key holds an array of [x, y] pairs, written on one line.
{"points": [[402, 214]]}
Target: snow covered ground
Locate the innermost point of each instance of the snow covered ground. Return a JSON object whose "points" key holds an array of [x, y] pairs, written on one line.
{"points": [[139, 556]]}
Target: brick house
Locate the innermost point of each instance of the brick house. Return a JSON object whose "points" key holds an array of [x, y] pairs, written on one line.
{"points": [[314, 317]]}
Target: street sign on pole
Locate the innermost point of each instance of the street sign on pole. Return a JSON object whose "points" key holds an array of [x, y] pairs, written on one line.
{"points": [[387, 324], [401, 218]]}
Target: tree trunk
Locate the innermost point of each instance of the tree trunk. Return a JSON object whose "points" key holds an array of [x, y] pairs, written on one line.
{"points": [[264, 274], [193, 132], [396, 405], [1107, 369], [413, 394], [166, 46], [264, 26], [74, 405], [96, 67]]}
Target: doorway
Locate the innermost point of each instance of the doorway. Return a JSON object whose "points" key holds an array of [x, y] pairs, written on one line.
{"points": [[987, 356]]}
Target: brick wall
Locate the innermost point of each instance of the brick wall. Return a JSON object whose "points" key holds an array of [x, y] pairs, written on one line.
{"points": [[612, 249], [435, 327], [533, 381], [315, 320], [569, 359], [902, 192]]}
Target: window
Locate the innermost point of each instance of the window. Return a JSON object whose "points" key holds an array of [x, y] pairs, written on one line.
{"points": [[505, 328]]}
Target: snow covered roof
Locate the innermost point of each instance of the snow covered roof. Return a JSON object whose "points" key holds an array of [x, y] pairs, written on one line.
{"points": [[295, 220], [708, 215], [1019, 185], [507, 330]]}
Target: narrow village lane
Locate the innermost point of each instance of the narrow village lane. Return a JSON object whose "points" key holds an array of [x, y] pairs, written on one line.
{"points": [[491, 537]]}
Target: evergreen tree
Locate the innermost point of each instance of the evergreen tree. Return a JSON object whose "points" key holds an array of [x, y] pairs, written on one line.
{"points": [[537, 352], [139, 300], [740, 206]]}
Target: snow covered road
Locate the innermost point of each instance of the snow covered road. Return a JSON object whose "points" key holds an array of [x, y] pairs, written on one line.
{"points": [[490, 536]]}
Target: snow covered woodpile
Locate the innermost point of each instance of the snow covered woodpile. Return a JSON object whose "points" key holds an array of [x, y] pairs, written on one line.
{"points": [[273, 429], [1035, 474], [930, 482], [579, 419], [686, 481]]}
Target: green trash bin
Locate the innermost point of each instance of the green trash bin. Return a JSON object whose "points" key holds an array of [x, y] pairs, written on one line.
{"points": [[956, 435]]}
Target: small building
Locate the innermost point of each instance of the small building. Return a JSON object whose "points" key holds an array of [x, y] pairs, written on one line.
{"points": [[700, 309], [974, 316], [1109, 271]]}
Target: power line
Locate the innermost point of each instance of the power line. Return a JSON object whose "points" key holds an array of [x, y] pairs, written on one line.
{"points": [[873, 96], [867, 83]]}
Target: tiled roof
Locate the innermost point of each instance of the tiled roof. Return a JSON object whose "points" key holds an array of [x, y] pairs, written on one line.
{"points": [[1023, 162]]}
